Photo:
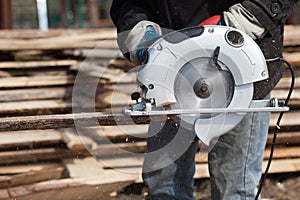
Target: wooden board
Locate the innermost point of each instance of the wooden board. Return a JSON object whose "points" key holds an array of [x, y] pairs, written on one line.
{"points": [[83, 168], [19, 169], [79, 40], [35, 81], [29, 139], [33, 156], [74, 188], [32, 176], [35, 94], [36, 64], [291, 35], [103, 119]]}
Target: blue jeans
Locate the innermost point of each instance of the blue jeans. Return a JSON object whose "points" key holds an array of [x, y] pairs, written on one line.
{"points": [[235, 161]]}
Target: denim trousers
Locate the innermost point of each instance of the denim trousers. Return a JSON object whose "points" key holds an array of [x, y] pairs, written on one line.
{"points": [[234, 161]]}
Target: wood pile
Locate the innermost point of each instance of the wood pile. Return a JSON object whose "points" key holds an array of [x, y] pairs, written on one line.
{"points": [[52, 146]]}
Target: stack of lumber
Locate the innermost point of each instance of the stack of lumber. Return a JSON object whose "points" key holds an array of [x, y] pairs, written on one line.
{"points": [[55, 147]]}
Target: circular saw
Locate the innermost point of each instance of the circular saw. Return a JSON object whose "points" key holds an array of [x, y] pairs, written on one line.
{"points": [[203, 77]]}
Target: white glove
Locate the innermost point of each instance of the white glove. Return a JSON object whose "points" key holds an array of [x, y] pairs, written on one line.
{"points": [[240, 18]]}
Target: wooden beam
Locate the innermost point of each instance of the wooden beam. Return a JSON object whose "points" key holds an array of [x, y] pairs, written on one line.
{"points": [[291, 35], [35, 94], [31, 177], [35, 81], [35, 155], [29, 139], [104, 119], [75, 188], [82, 40], [68, 120], [37, 64]]}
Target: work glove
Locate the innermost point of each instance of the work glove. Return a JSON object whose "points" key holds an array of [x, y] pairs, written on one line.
{"points": [[240, 18], [149, 37], [140, 38]]}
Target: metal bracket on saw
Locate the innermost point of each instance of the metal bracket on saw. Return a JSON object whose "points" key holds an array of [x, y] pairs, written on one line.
{"points": [[273, 105]]}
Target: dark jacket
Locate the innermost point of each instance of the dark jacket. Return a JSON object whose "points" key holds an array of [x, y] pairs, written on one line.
{"points": [[176, 14]]}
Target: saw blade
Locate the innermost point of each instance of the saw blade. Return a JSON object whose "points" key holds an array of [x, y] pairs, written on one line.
{"points": [[201, 84]]}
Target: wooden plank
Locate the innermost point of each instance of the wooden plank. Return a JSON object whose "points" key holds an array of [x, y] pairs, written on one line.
{"points": [[290, 121], [36, 94], [79, 144], [31, 177], [4, 195], [37, 64], [64, 80], [35, 107], [291, 35], [19, 169], [82, 40], [104, 93], [27, 34], [31, 156], [284, 166], [92, 168], [283, 153], [104, 119], [96, 53], [282, 94], [47, 107], [36, 81], [285, 83], [285, 138], [75, 188], [293, 58], [29, 139], [118, 149], [41, 122], [120, 133]]}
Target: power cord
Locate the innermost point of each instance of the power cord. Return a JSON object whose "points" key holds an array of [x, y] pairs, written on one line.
{"points": [[277, 127]]}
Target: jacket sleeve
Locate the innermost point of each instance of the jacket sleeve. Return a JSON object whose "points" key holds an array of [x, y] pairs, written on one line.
{"points": [[270, 13], [127, 13]]}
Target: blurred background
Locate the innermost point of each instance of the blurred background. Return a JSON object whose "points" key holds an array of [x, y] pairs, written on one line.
{"points": [[44, 14]]}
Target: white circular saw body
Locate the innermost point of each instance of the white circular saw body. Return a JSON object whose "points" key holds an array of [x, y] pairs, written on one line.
{"points": [[203, 67]]}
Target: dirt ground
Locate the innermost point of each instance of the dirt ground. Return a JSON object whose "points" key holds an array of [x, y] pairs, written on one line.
{"points": [[277, 187]]}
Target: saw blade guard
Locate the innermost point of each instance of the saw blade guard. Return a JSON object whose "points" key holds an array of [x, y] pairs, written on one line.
{"points": [[203, 67]]}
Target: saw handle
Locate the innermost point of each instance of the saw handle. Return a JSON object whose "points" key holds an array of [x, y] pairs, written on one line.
{"points": [[183, 34], [214, 20], [186, 33]]}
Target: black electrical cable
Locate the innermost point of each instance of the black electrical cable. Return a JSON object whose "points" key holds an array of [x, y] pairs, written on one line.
{"points": [[277, 127]]}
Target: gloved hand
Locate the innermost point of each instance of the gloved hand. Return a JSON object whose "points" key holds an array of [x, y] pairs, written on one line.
{"points": [[149, 37], [139, 39], [240, 18]]}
